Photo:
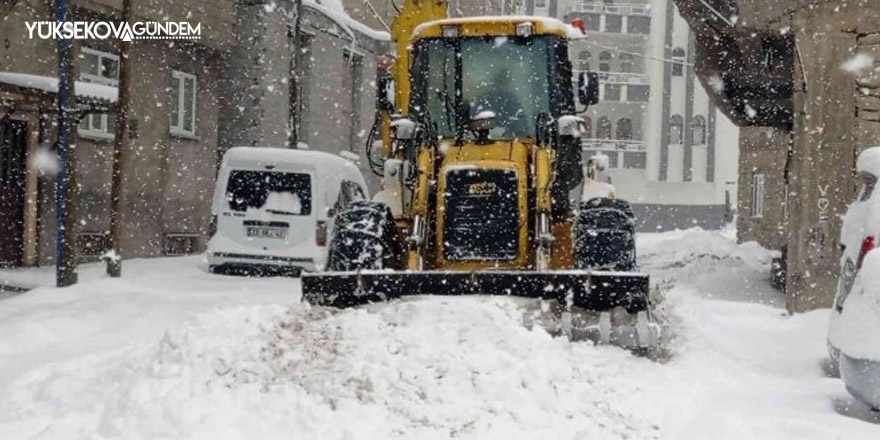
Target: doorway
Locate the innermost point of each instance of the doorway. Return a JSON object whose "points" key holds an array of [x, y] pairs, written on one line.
{"points": [[13, 147]]}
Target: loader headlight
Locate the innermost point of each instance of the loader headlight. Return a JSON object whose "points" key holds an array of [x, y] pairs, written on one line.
{"points": [[524, 29], [449, 31]]}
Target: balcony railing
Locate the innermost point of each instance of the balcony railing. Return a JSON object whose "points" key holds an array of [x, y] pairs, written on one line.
{"points": [[621, 154], [619, 77], [625, 9], [613, 145]]}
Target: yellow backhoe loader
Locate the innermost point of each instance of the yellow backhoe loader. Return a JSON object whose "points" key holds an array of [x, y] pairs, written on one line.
{"points": [[482, 168]]}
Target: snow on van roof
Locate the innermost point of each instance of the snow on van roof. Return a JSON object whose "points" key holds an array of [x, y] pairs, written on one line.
{"points": [[549, 24], [869, 161], [309, 158]]}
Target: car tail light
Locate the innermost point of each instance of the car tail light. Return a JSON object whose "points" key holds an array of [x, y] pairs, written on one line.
{"points": [[321, 233], [867, 246]]}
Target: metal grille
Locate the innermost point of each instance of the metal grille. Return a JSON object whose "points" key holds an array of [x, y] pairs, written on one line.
{"points": [[481, 220]]}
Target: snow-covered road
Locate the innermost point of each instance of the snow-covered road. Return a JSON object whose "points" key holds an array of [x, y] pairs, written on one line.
{"points": [[172, 352]]}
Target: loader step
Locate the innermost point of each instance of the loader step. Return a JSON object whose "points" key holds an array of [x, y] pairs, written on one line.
{"points": [[581, 288]]}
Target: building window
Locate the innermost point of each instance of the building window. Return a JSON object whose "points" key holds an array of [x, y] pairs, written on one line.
{"points": [[626, 63], [605, 62], [678, 62], [603, 130], [183, 103], [101, 68], [612, 93], [636, 93], [758, 195], [638, 25], [624, 129], [675, 129], [698, 127], [613, 23], [588, 127], [584, 60]]}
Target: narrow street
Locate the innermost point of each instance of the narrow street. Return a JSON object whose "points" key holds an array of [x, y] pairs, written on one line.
{"points": [[170, 351]]}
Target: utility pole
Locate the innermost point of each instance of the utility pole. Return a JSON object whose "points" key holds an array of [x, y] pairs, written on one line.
{"points": [[296, 77], [66, 190], [120, 148]]}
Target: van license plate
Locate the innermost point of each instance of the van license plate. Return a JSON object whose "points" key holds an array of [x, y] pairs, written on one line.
{"points": [[258, 232]]}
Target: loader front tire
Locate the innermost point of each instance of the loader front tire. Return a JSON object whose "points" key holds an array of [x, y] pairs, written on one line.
{"points": [[365, 237], [605, 235]]}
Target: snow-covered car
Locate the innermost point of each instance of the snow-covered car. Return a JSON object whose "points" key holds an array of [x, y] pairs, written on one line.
{"points": [[855, 317], [858, 334], [273, 207]]}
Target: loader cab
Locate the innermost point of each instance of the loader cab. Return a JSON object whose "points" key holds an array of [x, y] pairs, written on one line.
{"points": [[273, 208], [490, 80]]}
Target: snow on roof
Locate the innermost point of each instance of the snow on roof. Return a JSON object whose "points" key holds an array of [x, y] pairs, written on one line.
{"points": [[49, 84], [308, 158], [549, 24], [334, 10]]}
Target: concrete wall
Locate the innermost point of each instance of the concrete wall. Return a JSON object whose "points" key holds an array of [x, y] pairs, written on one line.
{"points": [[243, 98], [764, 150]]}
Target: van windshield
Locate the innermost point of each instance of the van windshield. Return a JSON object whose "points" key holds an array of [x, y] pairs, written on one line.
{"points": [[273, 192]]}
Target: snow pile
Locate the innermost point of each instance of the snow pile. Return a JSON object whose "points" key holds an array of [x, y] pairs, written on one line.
{"points": [[711, 262], [437, 369], [858, 334], [171, 352]]}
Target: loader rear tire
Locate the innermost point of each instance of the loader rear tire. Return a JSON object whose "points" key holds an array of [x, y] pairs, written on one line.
{"points": [[365, 237]]}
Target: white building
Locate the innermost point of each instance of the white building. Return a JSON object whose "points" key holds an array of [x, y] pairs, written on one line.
{"points": [[674, 156]]}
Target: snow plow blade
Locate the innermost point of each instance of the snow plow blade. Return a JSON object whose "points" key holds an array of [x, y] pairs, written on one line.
{"points": [[599, 291]]}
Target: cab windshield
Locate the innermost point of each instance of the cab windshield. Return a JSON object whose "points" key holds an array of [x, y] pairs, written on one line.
{"points": [[458, 79]]}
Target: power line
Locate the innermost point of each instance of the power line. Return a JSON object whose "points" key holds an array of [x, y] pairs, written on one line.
{"points": [[663, 60]]}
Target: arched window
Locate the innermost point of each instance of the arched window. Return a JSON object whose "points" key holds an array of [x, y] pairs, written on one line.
{"points": [[675, 129], [605, 62], [584, 60], [624, 129], [678, 55], [588, 128], [626, 62], [603, 130], [698, 127]]}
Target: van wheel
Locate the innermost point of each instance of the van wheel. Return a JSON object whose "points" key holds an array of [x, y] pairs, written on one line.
{"points": [[365, 237]]}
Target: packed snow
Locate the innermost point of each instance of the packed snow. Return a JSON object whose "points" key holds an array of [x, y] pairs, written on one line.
{"points": [[169, 351]]}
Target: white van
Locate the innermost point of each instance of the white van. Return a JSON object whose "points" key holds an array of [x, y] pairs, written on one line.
{"points": [[272, 207]]}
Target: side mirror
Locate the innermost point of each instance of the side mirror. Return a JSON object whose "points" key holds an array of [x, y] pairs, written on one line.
{"points": [[588, 88], [385, 95]]}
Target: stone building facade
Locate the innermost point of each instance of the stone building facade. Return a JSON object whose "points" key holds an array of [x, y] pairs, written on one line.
{"points": [[781, 65], [190, 101]]}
